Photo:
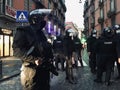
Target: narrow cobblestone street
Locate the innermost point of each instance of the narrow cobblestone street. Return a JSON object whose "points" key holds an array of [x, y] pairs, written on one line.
{"points": [[11, 84], [85, 82], [84, 76]]}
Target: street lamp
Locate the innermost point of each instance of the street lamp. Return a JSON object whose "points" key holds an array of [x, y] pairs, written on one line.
{"points": [[80, 1]]}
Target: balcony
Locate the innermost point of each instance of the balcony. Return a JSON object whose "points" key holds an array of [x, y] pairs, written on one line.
{"points": [[55, 1], [101, 3], [38, 0], [100, 20], [86, 5], [111, 13], [92, 1], [92, 9], [92, 25]]}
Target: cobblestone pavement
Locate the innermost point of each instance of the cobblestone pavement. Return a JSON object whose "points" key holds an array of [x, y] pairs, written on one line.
{"points": [[10, 67], [11, 84], [84, 76], [85, 82]]}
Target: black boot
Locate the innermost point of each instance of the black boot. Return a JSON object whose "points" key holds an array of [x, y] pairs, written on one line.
{"points": [[53, 69], [98, 80]]}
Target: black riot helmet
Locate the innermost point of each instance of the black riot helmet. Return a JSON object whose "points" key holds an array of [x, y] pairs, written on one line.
{"points": [[37, 16], [108, 32], [116, 29]]}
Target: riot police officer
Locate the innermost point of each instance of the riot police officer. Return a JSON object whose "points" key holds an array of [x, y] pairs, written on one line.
{"points": [[116, 29], [78, 48], [69, 49], [58, 51], [106, 55], [31, 46], [91, 50]]}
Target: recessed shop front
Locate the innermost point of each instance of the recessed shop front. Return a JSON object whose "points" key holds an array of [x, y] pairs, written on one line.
{"points": [[6, 40]]}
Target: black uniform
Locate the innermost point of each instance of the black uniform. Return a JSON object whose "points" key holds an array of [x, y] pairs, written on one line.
{"points": [[116, 29], [92, 57], [106, 56], [78, 48], [118, 55], [30, 45], [58, 48], [69, 45], [69, 49]]}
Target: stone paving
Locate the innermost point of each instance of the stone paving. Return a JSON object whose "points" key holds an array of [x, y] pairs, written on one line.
{"points": [[11, 84], [85, 78], [85, 82], [10, 67]]}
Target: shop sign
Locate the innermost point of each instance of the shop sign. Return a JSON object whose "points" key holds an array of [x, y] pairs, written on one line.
{"points": [[6, 31], [10, 11]]}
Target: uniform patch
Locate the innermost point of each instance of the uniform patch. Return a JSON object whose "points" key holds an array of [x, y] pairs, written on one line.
{"points": [[107, 42], [118, 31], [58, 41]]}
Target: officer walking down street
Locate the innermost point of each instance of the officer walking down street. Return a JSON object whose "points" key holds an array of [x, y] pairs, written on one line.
{"points": [[31, 46], [69, 50], [91, 50], [106, 55], [58, 51], [78, 48], [116, 29]]}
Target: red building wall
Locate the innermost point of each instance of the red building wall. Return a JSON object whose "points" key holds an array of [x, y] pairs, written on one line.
{"points": [[118, 11], [18, 4]]}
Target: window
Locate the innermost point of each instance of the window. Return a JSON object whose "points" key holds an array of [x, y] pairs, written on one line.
{"points": [[9, 3], [101, 13], [11, 49], [1, 45], [6, 45], [112, 5], [101, 0]]}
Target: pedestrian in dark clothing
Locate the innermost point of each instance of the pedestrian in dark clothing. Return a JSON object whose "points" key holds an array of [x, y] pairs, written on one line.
{"points": [[78, 48], [69, 49], [116, 29], [59, 52], [91, 50], [106, 55], [31, 46]]}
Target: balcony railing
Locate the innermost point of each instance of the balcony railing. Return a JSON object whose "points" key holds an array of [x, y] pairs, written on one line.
{"points": [[100, 20], [92, 25], [92, 1], [111, 13]]}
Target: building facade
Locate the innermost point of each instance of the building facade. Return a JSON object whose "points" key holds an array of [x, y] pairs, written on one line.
{"points": [[8, 22], [99, 14]]}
